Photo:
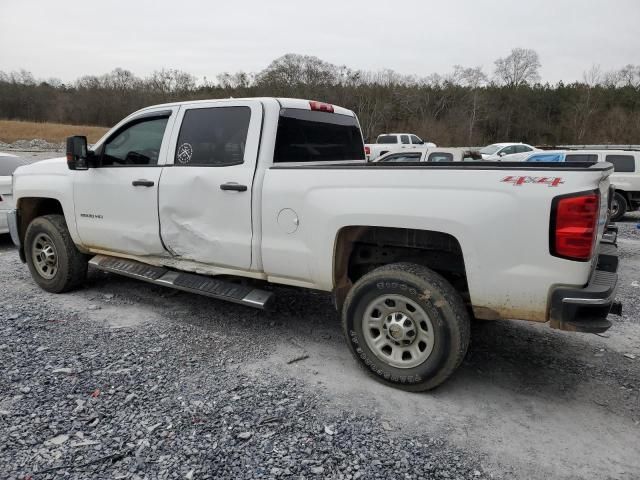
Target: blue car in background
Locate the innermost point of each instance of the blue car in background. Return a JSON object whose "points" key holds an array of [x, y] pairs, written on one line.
{"points": [[547, 157]]}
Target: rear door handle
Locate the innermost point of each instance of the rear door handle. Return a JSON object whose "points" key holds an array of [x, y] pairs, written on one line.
{"points": [[233, 186], [143, 183]]}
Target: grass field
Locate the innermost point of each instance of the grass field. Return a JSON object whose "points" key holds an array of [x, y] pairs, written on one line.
{"points": [[12, 130]]}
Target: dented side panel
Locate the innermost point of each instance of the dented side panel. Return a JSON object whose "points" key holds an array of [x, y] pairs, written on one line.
{"points": [[200, 220]]}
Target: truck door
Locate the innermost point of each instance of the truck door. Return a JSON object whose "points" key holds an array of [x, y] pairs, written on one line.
{"points": [[116, 202], [205, 195]]}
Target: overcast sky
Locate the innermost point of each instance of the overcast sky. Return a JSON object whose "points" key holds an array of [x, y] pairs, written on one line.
{"points": [[69, 38]]}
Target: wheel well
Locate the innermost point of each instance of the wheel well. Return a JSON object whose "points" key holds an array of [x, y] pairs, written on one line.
{"points": [[360, 249], [32, 207], [626, 196]]}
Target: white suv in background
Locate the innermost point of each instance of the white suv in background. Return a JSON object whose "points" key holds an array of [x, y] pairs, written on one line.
{"points": [[496, 151]]}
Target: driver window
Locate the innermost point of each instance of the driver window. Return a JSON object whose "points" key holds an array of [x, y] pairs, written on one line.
{"points": [[137, 144]]}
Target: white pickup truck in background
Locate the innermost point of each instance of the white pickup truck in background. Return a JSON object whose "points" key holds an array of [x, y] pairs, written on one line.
{"points": [[393, 142], [625, 177], [194, 195]]}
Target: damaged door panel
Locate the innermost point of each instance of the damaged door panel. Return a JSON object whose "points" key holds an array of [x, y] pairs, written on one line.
{"points": [[205, 195]]}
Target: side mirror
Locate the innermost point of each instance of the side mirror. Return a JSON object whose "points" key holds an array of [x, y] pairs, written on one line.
{"points": [[501, 154], [77, 153]]}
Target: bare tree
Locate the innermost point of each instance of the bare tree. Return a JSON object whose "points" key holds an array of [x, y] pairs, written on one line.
{"points": [[171, 81], [518, 68]]}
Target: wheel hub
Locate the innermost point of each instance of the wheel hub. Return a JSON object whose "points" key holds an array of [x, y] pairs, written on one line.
{"points": [[400, 328], [45, 257]]}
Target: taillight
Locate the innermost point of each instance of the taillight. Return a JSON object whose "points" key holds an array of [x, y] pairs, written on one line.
{"points": [[574, 223], [367, 150], [321, 107]]}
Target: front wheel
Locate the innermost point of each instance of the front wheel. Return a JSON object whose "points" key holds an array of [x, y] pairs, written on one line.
{"points": [[55, 263], [406, 325]]}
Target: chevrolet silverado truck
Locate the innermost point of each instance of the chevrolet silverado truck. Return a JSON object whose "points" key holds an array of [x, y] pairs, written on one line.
{"points": [[225, 197], [394, 142]]}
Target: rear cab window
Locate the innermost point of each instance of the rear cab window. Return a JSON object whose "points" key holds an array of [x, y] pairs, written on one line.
{"points": [[622, 163], [387, 139], [405, 139], [316, 136]]}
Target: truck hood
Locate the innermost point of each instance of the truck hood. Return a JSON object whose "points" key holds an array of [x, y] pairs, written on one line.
{"points": [[51, 166]]}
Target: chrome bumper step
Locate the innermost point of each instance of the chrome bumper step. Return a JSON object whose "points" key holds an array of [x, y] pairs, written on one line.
{"points": [[188, 282]]}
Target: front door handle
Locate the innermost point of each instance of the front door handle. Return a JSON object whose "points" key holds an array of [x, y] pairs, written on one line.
{"points": [[233, 186], [143, 183]]}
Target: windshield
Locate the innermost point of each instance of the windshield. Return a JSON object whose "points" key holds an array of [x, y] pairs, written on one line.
{"points": [[9, 164], [490, 149]]}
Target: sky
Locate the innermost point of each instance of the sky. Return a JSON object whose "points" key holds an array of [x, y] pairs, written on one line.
{"points": [[66, 39]]}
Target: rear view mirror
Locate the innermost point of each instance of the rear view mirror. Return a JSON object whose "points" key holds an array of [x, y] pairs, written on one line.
{"points": [[77, 152]]}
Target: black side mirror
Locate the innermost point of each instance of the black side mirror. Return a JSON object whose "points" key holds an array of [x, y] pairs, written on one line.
{"points": [[77, 153]]}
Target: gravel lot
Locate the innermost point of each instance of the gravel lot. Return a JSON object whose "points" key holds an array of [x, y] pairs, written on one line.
{"points": [[123, 379]]}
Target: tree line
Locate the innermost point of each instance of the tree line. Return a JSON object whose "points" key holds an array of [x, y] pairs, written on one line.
{"points": [[463, 107]]}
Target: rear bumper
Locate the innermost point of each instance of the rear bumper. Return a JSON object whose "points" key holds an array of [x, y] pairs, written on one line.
{"points": [[586, 309]]}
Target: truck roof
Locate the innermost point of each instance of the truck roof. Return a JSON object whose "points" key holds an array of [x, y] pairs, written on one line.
{"points": [[284, 103]]}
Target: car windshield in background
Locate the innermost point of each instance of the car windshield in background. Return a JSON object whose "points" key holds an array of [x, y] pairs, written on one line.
{"points": [[490, 149], [387, 139], [313, 136], [9, 164]]}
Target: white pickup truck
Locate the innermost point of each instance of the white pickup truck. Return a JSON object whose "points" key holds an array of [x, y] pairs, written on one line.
{"points": [[393, 142], [196, 195]]}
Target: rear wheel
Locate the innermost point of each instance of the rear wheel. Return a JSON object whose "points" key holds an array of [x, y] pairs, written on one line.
{"points": [[618, 207], [407, 326], [55, 263]]}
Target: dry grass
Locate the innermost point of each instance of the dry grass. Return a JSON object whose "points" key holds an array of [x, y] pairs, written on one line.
{"points": [[12, 130]]}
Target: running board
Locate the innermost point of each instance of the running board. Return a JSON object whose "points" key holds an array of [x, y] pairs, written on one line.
{"points": [[188, 282]]}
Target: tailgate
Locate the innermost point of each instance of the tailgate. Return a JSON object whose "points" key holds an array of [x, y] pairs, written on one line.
{"points": [[606, 195]]}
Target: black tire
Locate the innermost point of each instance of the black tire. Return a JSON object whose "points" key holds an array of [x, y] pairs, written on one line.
{"points": [[619, 207], [436, 297], [70, 265]]}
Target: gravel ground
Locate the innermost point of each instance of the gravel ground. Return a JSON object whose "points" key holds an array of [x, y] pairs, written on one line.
{"points": [[123, 379], [90, 396]]}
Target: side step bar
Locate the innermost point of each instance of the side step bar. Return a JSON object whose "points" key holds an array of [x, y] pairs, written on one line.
{"points": [[189, 282]]}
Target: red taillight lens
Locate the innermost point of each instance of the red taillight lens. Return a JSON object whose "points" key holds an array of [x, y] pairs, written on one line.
{"points": [[574, 226], [321, 107], [367, 150]]}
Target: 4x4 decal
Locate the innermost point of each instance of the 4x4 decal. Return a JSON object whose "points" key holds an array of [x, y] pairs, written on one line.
{"points": [[521, 180]]}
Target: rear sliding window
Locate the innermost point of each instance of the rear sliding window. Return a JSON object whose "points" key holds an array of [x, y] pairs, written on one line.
{"points": [[622, 163], [313, 136], [387, 139]]}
